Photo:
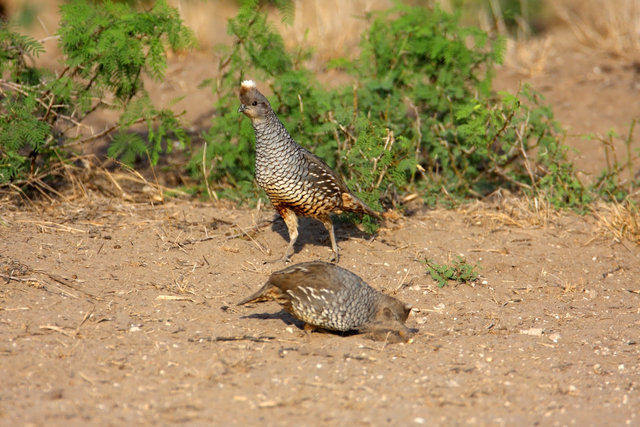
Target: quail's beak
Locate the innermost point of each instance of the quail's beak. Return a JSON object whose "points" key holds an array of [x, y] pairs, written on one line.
{"points": [[242, 108]]}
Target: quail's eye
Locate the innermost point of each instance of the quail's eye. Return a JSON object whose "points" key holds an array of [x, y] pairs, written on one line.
{"points": [[255, 103]]}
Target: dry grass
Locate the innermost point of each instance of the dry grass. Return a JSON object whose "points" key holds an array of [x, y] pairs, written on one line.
{"points": [[81, 176], [207, 19], [503, 208], [331, 27], [622, 220], [528, 57], [612, 25]]}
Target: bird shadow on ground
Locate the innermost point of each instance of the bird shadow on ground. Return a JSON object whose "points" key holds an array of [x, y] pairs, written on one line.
{"points": [[287, 318], [311, 231]]}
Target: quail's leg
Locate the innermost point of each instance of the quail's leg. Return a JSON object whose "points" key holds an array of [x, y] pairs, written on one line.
{"points": [[328, 224], [291, 219], [308, 329]]}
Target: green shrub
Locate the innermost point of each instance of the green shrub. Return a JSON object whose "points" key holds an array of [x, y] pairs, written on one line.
{"points": [[419, 116], [610, 184], [106, 49]]}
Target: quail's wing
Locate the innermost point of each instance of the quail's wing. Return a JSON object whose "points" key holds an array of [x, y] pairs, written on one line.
{"points": [[313, 274], [323, 175], [330, 183]]}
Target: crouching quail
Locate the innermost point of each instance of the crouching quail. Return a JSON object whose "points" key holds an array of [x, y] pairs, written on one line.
{"points": [[296, 181], [326, 296]]}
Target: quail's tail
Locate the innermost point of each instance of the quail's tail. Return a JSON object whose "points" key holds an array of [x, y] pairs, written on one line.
{"points": [[351, 203], [256, 297]]}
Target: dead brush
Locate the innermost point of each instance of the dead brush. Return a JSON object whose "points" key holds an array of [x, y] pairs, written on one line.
{"points": [[621, 220], [503, 208], [332, 27], [613, 26], [529, 57], [79, 177]]}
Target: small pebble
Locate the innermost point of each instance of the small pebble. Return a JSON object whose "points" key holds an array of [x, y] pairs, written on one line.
{"points": [[532, 331]]}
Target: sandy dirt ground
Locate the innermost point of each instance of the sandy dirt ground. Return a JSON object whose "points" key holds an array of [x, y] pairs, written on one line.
{"points": [[116, 312]]}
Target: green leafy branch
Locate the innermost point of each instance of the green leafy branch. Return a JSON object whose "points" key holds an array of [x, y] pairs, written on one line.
{"points": [[106, 49]]}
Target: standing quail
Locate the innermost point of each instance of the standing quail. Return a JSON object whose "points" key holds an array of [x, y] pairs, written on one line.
{"points": [[326, 296], [296, 181]]}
